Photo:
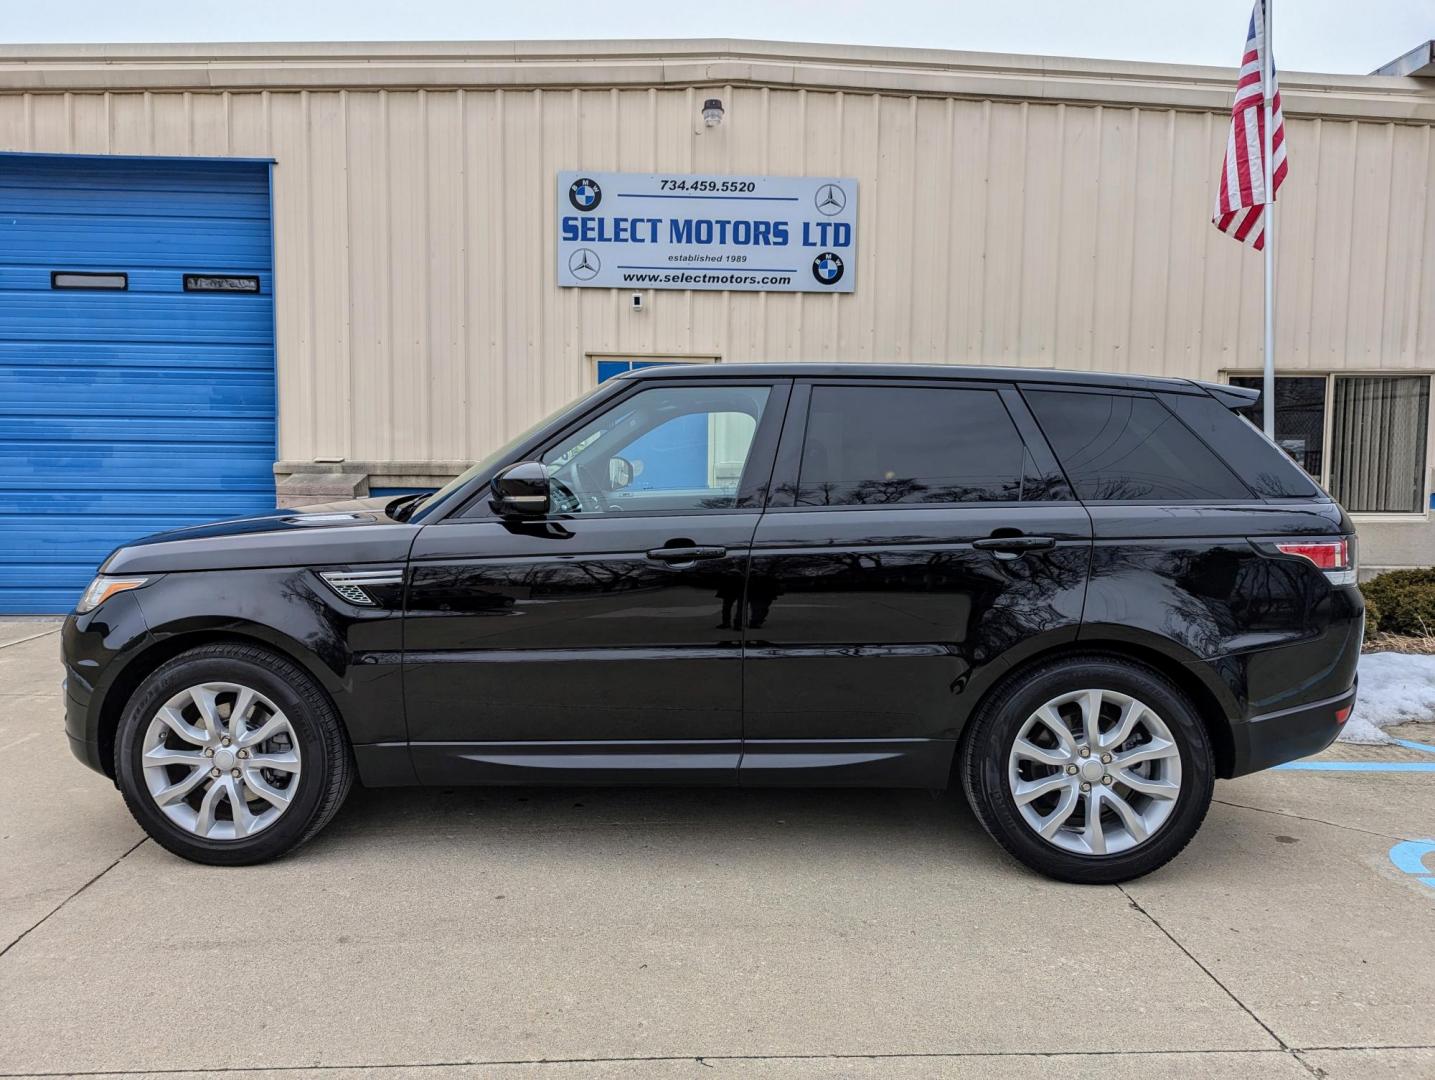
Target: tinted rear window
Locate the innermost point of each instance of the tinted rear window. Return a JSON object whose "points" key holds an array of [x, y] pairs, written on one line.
{"points": [[893, 444], [1130, 449], [1267, 469]]}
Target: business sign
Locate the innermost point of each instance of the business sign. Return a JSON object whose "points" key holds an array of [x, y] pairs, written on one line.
{"points": [[663, 231]]}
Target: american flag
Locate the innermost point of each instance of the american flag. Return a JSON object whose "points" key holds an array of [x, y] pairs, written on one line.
{"points": [[1240, 210]]}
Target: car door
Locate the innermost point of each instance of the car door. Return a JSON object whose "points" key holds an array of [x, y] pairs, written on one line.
{"points": [[920, 539], [598, 641]]}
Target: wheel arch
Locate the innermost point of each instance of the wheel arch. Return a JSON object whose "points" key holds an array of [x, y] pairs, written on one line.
{"points": [[165, 648], [1211, 698]]}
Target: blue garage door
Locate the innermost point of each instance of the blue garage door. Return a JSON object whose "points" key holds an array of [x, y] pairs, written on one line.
{"points": [[136, 359]]}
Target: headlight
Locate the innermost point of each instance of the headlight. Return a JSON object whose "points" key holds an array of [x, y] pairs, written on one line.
{"points": [[104, 587]]}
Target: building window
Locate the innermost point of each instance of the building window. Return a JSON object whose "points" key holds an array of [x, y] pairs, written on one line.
{"points": [[609, 366], [1377, 430]]}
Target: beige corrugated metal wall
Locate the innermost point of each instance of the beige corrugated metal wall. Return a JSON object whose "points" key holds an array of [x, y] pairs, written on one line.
{"points": [[418, 318]]}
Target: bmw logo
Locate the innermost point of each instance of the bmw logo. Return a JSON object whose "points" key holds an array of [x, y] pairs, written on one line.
{"points": [[827, 268], [585, 194]]}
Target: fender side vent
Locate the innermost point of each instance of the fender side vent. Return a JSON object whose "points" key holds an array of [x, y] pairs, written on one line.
{"points": [[350, 584]]}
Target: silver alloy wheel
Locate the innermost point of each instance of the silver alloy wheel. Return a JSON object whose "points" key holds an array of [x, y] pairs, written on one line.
{"points": [[1095, 772], [221, 761]]}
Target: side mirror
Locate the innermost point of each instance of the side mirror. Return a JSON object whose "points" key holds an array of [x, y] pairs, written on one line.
{"points": [[620, 473], [521, 490]]}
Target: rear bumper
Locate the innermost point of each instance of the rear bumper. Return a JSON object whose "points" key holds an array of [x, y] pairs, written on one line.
{"points": [[1275, 738]]}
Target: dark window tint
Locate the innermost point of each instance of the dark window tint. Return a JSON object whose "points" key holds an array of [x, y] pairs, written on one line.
{"points": [[1300, 416], [1264, 468], [889, 444], [1130, 448]]}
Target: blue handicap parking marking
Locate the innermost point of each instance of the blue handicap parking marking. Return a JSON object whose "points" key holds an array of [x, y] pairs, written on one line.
{"points": [[1360, 766], [1413, 857], [1371, 766], [1409, 857]]}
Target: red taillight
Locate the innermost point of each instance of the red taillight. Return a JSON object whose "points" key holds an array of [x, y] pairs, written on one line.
{"points": [[1335, 557], [1326, 554], [1342, 715]]}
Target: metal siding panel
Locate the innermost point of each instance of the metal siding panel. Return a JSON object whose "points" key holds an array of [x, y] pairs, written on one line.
{"points": [[329, 268], [1151, 257], [1422, 291], [1369, 240], [293, 243], [168, 123], [15, 121], [408, 373], [966, 265], [431, 247], [527, 251], [1079, 162], [1118, 137], [933, 204], [1002, 255], [369, 277], [1334, 175], [91, 125], [490, 283], [894, 287], [129, 122], [125, 413], [448, 396], [209, 124], [1409, 179], [1190, 213], [51, 130], [1296, 267], [1038, 234]]}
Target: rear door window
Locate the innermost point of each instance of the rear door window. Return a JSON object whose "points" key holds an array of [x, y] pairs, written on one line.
{"points": [[1126, 448], [882, 444]]}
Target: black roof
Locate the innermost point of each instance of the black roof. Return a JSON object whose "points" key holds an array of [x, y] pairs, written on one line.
{"points": [[1233, 396]]}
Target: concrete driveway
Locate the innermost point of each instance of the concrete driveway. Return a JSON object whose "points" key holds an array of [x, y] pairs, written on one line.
{"points": [[557, 934]]}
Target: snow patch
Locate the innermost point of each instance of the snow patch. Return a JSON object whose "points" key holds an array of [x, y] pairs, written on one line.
{"points": [[1395, 688]]}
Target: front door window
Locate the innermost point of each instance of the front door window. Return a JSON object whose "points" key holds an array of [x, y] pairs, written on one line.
{"points": [[673, 448]]}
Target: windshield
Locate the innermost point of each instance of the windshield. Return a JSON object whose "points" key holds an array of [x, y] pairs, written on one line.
{"points": [[486, 464]]}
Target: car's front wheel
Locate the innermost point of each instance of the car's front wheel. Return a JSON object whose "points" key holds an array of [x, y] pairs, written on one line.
{"points": [[1089, 769], [230, 754]]}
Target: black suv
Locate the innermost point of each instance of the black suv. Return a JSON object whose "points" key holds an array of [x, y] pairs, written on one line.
{"points": [[1084, 597]]}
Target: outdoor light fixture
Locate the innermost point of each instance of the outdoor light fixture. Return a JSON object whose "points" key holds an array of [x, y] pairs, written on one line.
{"points": [[712, 112]]}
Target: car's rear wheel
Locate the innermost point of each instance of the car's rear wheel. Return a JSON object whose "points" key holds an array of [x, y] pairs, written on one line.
{"points": [[1089, 769], [230, 754]]}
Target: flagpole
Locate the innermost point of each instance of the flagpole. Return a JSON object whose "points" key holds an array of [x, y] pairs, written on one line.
{"points": [[1268, 387]]}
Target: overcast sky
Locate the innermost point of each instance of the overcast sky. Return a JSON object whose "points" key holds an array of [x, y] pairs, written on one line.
{"points": [[1354, 36]]}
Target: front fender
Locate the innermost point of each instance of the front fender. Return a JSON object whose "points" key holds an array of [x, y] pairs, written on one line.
{"points": [[353, 652]]}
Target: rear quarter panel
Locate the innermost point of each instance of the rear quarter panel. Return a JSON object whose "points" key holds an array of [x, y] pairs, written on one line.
{"points": [[1274, 632]]}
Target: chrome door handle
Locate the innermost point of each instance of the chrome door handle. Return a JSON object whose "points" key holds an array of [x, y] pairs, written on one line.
{"points": [[1015, 545], [686, 554]]}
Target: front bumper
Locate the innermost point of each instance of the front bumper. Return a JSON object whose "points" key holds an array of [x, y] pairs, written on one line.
{"points": [[1275, 738], [94, 649], [76, 724]]}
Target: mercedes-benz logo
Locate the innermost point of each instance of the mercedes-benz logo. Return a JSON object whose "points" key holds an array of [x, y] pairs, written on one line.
{"points": [[584, 264], [830, 199]]}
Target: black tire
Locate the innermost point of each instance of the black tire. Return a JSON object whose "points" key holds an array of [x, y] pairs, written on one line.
{"points": [[323, 783], [994, 728]]}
